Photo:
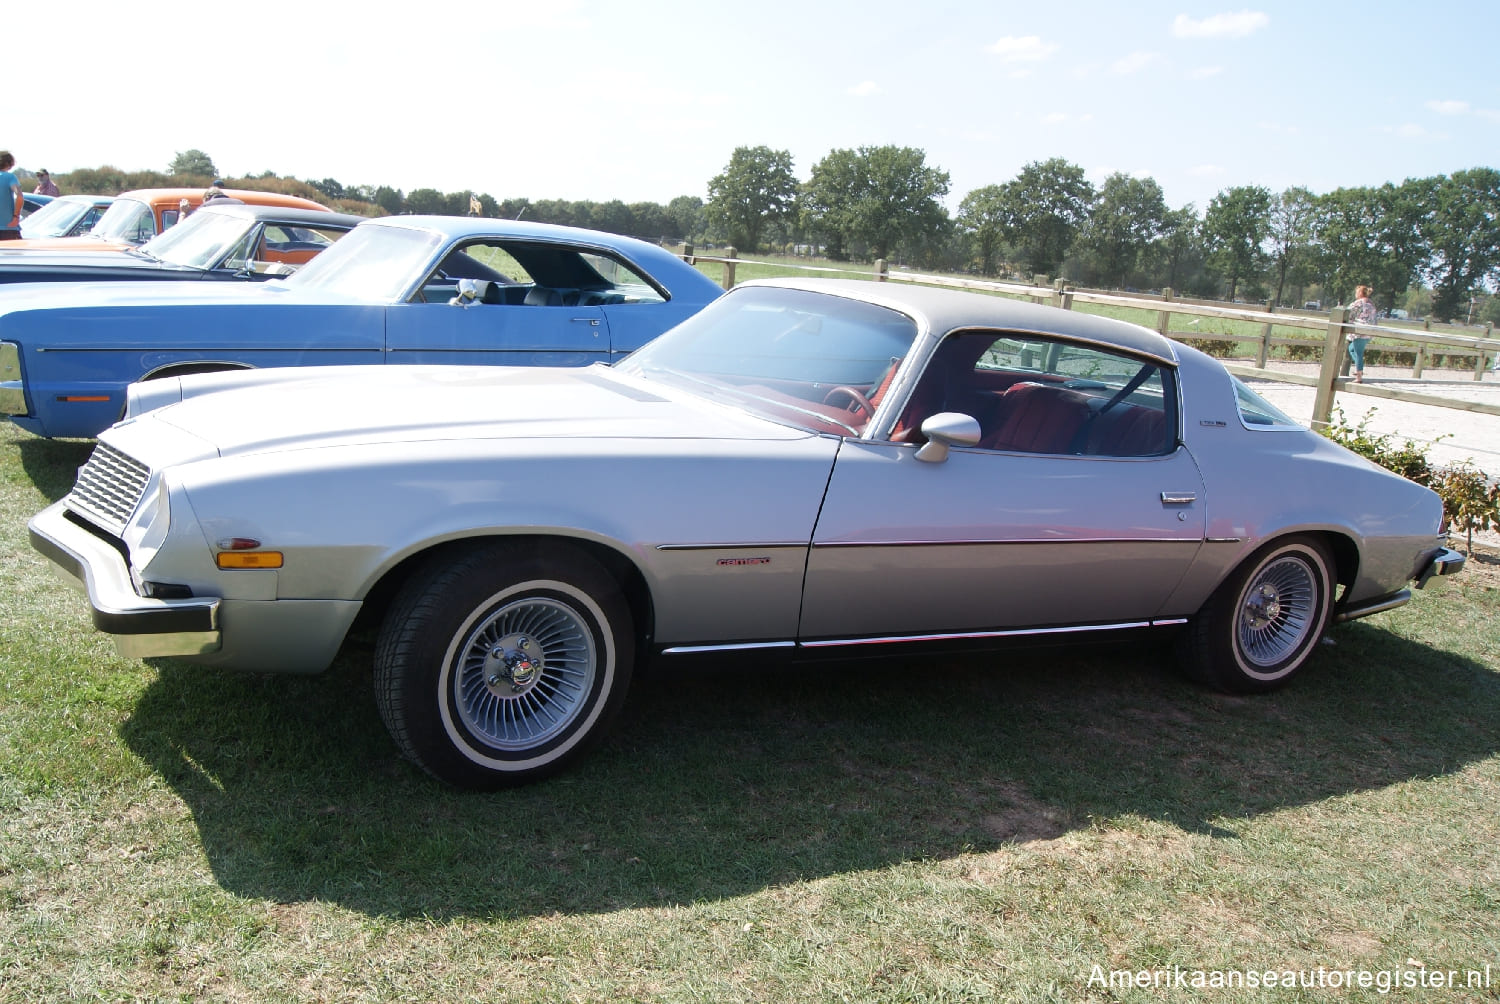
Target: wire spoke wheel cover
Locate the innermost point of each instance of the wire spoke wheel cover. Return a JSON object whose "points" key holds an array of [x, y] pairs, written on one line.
{"points": [[1276, 611], [523, 673], [1264, 622], [503, 663]]}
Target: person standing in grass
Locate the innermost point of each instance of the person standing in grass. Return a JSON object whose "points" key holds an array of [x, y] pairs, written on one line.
{"points": [[1361, 311]]}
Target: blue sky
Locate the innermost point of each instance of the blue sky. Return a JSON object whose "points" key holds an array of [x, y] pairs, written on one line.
{"points": [[577, 99]]}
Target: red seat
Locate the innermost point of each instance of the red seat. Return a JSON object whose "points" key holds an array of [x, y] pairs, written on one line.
{"points": [[1036, 418], [1128, 431]]}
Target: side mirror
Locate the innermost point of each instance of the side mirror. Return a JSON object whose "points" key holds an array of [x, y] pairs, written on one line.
{"points": [[945, 429]]}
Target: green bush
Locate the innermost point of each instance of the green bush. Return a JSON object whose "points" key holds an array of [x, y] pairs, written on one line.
{"points": [[1470, 499], [1214, 347]]}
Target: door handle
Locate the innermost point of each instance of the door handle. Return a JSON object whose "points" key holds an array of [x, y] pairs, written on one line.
{"points": [[592, 321], [1178, 498]]}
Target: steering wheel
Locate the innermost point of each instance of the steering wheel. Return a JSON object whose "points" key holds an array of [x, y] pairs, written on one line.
{"points": [[857, 397]]}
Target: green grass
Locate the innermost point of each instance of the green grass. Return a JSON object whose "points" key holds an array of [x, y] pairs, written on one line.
{"points": [[970, 830]]}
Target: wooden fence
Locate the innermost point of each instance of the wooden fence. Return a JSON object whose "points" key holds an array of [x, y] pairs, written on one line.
{"points": [[1333, 327]]}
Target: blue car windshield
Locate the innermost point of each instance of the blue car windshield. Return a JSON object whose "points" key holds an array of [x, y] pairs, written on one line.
{"points": [[55, 219], [371, 262], [779, 352]]}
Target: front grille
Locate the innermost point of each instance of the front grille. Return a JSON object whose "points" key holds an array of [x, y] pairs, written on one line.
{"points": [[110, 486]]}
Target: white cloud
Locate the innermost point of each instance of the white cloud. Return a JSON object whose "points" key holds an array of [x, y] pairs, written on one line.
{"points": [[1022, 49], [1204, 72], [864, 89], [1411, 130], [1055, 118], [1229, 25], [1205, 170], [1490, 114], [1449, 107], [1133, 63]]}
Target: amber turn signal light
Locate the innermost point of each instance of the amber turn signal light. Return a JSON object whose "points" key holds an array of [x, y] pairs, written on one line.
{"points": [[248, 559]]}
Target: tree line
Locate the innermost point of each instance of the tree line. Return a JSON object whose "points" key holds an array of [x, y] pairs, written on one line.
{"points": [[1432, 243]]}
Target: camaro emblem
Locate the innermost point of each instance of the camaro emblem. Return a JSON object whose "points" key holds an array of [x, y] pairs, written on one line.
{"points": [[744, 561]]}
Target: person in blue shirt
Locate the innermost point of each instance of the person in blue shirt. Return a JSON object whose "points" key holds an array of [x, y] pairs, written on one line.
{"points": [[10, 199]]}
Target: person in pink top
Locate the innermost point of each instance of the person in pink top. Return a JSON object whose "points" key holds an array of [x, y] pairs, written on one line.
{"points": [[1361, 311], [45, 185]]}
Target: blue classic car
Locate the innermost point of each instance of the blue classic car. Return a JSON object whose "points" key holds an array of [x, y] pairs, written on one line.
{"points": [[65, 216], [407, 289], [220, 240]]}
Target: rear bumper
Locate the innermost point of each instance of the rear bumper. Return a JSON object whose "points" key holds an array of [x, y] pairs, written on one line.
{"points": [[1445, 562], [142, 627]]}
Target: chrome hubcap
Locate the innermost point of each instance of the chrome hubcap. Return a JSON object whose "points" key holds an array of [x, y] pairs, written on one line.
{"points": [[1277, 612], [524, 673]]}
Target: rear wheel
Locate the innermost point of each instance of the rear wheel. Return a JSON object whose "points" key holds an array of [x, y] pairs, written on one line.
{"points": [[503, 664], [1262, 624]]}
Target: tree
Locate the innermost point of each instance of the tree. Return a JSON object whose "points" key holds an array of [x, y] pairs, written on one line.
{"points": [[1234, 228], [981, 216], [1128, 216], [1374, 237], [1179, 254], [878, 198], [1044, 207], [427, 201], [757, 188], [1463, 230], [330, 188], [193, 162], [1290, 235], [685, 215], [390, 199]]}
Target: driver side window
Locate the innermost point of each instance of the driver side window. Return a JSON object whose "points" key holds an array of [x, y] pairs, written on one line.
{"points": [[1032, 394]]}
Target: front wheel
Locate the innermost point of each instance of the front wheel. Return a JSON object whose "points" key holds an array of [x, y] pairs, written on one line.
{"points": [[505, 663], [1263, 623]]}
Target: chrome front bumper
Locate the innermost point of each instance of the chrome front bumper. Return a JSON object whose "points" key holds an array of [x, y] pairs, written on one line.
{"points": [[142, 627]]}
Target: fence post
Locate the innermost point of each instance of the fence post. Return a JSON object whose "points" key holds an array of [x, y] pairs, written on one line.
{"points": [[1421, 363], [733, 253], [881, 275], [1164, 317], [1058, 297], [687, 254], [1489, 331], [1333, 350], [1265, 346]]}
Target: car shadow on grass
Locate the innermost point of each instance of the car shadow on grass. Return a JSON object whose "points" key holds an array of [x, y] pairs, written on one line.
{"points": [[720, 784], [52, 464]]}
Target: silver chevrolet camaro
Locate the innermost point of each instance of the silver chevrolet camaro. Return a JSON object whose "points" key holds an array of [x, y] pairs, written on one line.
{"points": [[804, 468]]}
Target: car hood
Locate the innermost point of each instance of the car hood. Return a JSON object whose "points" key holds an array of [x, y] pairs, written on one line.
{"points": [[63, 296], [307, 408], [37, 260]]}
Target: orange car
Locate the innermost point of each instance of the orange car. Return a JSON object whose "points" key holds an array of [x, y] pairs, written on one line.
{"points": [[135, 217]]}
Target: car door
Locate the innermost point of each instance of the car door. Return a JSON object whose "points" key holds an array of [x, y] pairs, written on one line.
{"points": [[515, 318], [1054, 520], [987, 541]]}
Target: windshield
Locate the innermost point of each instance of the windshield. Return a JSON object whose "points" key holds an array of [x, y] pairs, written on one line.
{"points": [[55, 219], [372, 262], [782, 354], [127, 221], [198, 241]]}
